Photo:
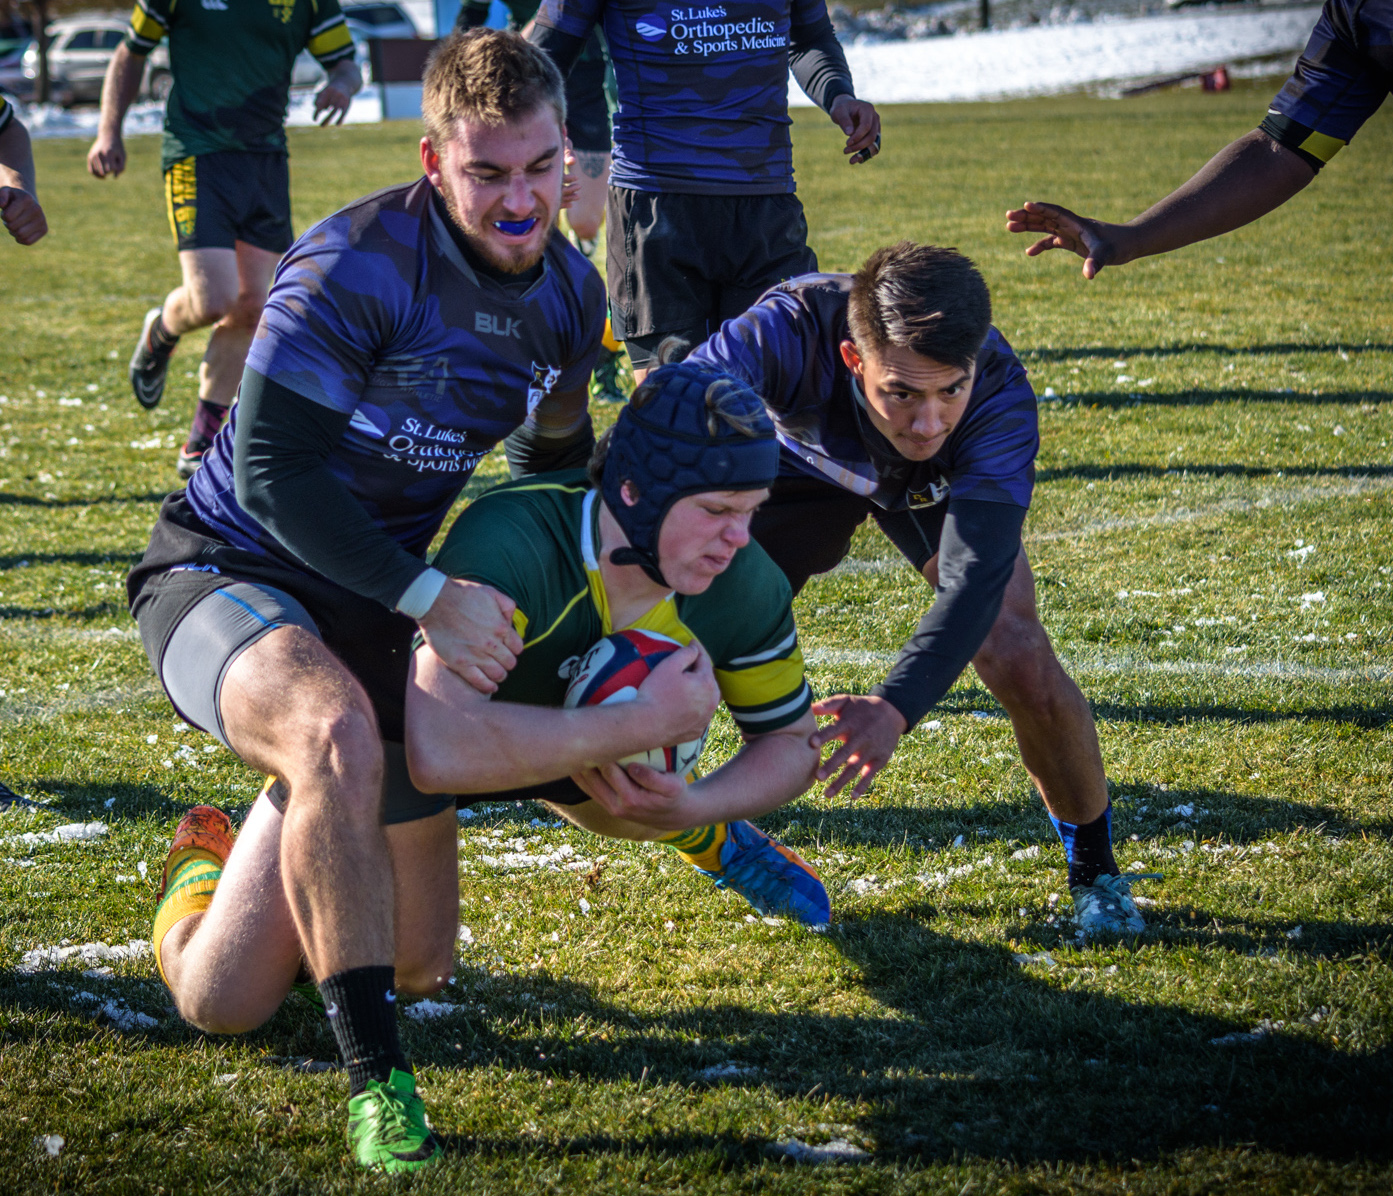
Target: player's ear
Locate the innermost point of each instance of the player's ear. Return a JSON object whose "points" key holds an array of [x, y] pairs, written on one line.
{"points": [[430, 161], [629, 493], [852, 356]]}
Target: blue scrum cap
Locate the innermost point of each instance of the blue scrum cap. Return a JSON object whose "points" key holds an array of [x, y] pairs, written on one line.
{"points": [[691, 430]]}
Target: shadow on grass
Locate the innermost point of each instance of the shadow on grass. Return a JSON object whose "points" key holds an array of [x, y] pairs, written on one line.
{"points": [[1116, 354], [10, 560], [1116, 472], [97, 610], [1205, 398], [1369, 715], [974, 1056], [28, 500]]}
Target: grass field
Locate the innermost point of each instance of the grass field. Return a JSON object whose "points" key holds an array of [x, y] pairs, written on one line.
{"points": [[1210, 536]]}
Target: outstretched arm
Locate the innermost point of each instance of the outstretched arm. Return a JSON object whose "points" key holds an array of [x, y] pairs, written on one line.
{"points": [[1242, 182], [458, 741], [767, 772], [119, 89], [19, 208]]}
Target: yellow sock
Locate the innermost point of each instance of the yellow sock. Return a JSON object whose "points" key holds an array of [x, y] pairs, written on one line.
{"points": [[608, 339], [193, 878], [700, 847]]}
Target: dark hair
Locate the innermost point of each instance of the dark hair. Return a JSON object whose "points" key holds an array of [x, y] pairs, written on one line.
{"points": [[717, 409], [487, 76], [929, 300]]}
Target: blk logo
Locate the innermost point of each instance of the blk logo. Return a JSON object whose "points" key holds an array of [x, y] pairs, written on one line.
{"points": [[494, 326]]}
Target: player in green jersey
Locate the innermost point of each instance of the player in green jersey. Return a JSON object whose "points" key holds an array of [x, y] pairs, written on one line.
{"points": [[227, 179], [656, 538]]}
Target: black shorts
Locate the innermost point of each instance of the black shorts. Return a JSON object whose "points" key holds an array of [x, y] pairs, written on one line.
{"points": [[587, 110], [216, 200], [806, 525], [682, 264], [193, 590]]}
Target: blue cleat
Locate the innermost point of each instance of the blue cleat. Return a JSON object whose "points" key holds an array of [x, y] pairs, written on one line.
{"points": [[773, 878]]}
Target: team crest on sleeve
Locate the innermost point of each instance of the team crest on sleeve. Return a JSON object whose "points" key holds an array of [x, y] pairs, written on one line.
{"points": [[543, 379]]}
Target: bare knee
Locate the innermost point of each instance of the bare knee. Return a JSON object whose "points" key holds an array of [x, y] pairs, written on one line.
{"points": [[1017, 663], [339, 754], [221, 1014], [244, 312]]}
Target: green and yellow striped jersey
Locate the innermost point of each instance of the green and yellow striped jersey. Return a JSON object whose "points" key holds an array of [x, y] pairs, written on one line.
{"points": [[536, 541], [231, 61]]}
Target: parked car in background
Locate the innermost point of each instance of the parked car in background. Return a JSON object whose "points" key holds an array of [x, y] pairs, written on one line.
{"points": [[368, 19], [79, 50]]}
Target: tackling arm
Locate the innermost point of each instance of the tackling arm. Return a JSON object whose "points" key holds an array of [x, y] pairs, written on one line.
{"points": [[458, 741], [767, 772], [1241, 183]]}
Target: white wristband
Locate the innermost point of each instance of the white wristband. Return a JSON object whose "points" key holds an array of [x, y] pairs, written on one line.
{"points": [[421, 594]]}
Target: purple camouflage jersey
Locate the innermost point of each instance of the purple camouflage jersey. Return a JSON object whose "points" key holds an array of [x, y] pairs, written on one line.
{"points": [[787, 347], [1341, 78], [703, 90], [375, 312]]}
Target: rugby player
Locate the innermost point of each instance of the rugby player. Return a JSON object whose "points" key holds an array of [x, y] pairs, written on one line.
{"points": [[19, 205], [588, 130], [403, 337], [656, 537], [226, 173], [702, 217], [1344, 74], [894, 397]]}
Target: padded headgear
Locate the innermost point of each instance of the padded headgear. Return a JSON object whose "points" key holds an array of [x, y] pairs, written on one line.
{"points": [[694, 430]]}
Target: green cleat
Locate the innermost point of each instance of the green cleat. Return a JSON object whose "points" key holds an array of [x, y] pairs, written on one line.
{"points": [[387, 1127], [612, 380]]}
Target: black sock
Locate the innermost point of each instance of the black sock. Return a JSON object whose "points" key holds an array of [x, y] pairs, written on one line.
{"points": [[161, 339], [363, 1013], [1088, 848]]}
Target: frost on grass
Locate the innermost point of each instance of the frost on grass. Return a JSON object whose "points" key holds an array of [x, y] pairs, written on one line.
{"points": [[93, 954], [71, 832], [519, 859], [426, 1010], [1263, 1030], [126, 1019], [839, 1150], [727, 1071]]}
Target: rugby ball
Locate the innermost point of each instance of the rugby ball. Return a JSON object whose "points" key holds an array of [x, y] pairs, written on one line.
{"points": [[612, 671]]}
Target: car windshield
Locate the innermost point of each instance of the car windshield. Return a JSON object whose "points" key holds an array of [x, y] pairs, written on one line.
{"points": [[375, 14]]}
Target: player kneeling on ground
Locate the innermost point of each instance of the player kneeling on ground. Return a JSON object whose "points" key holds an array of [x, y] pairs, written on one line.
{"points": [[656, 539]]}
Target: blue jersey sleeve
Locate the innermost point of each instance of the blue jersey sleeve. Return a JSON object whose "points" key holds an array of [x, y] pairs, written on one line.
{"points": [[767, 348], [1341, 79], [334, 308], [992, 451]]}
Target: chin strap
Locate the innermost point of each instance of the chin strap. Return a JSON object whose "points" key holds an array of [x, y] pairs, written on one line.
{"points": [[628, 555]]}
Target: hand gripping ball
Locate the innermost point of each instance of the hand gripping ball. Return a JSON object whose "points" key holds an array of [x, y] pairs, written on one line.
{"points": [[612, 671]]}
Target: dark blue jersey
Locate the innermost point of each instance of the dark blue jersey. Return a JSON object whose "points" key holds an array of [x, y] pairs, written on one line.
{"points": [[787, 347], [1341, 78], [375, 313], [703, 89]]}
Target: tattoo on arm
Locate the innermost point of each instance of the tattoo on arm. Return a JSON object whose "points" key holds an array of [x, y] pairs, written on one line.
{"points": [[593, 163]]}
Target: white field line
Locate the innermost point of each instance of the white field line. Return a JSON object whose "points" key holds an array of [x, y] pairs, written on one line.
{"points": [[1269, 498], [1284, 670]]}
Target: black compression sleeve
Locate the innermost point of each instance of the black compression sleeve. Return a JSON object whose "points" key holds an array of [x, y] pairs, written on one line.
{"points": [[283, 481], [816, 59], [472, 14], [563, 48], [976, 556], [532, 451]]}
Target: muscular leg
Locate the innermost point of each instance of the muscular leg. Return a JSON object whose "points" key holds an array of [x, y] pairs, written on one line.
{"points": [[226, 288], [291, 708], [231, 967], [1052, 721]]}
